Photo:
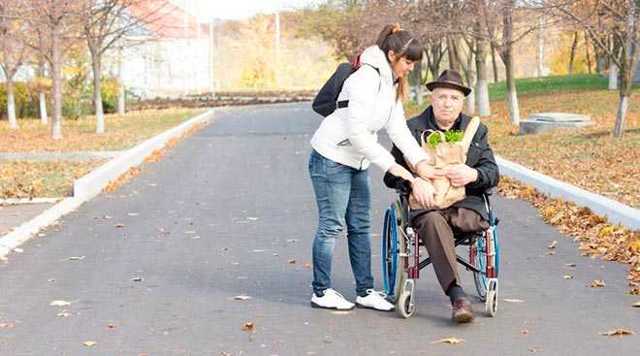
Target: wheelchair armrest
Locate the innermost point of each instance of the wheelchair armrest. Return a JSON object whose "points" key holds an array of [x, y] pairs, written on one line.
{"points": [[404, 189]]}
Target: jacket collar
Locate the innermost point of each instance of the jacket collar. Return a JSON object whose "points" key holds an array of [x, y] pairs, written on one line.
{"points": [[429, 121]]}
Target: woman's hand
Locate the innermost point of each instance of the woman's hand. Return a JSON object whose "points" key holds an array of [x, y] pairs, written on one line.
{"points": [[423, 193], [427, 171], [399, 171]]}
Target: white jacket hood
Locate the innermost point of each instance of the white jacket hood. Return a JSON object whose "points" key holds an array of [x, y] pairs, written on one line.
{"points": [[374, 57]]}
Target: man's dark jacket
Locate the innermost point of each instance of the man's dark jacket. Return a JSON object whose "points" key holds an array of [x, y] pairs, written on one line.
{"points": [[480, 157]]}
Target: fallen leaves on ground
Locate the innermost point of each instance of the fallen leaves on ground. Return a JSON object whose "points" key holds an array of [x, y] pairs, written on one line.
{"points": [[553, 245], [34, 179], [249, 326], [89, 343], [64, 314], [618, 332], [123, 179], [596, 236], [636, 304], [59, 303], [75, 258], [598, 283], [448, 340], [508, 300], [242, 297]]}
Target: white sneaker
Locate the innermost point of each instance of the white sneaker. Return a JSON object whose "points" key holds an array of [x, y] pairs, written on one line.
{"points": [[374, 300], [331, 300]]}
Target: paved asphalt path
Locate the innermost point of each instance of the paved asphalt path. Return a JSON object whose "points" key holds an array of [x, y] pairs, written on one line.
{"points": [[230, 212]]}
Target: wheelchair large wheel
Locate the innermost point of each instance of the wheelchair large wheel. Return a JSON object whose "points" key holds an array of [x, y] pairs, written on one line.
{"points": [[394, 264], [486, 251], [479, 252], [390, 251]]}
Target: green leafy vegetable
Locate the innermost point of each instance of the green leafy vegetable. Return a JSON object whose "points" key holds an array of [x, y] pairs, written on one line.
{"points": [[451, 136]]}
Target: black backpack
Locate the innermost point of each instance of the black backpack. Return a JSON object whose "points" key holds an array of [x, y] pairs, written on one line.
{"points": [[326, 101]]}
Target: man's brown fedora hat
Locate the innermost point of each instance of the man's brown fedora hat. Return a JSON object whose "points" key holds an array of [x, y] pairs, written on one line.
{"points": [[451, 79]]}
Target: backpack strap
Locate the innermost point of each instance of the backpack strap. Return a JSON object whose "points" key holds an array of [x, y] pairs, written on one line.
{"points": [[345, 103]]}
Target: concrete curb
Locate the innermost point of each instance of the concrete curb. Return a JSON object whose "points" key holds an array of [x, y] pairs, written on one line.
{"points": [[92, 184], [615, 211], [25, 231], [24, 201]]}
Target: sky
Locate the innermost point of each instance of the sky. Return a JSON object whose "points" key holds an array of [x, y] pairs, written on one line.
{"points": [[237, 9]]}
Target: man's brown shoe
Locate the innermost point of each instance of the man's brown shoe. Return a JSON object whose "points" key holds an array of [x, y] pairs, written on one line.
{"points": [[462, 311]]}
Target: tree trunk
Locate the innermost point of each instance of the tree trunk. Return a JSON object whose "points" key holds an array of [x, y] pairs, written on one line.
{"points": [[588, 54], [471, 82], [613, 76], [507, 58], [418, 81], [627, 69], [454, 54], [97, 93], [43, 108], [540, 62], [512, 95], [572, 54], [623, 105], [11, 102], [494, 63], [482, 85], [121, 91], [56, 77], [42, 96]]}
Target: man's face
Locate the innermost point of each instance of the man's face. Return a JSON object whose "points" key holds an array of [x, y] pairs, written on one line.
{"points": [[447, 105]]}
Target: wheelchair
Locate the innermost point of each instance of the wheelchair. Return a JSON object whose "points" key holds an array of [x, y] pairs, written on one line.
{"points": [[401, 262]]}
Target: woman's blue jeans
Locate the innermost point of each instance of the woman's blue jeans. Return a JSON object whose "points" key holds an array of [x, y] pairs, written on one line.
{"points": [[343, 198]]}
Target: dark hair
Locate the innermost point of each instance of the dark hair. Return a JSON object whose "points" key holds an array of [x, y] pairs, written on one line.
{"points": [[403, 44]]}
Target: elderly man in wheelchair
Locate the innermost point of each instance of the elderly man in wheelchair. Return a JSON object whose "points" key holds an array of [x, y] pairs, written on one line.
{"points": [[467, 222]]}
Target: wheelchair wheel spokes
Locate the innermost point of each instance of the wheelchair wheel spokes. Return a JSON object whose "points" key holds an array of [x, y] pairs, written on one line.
{"points": [[390, 252], [478, 256]]}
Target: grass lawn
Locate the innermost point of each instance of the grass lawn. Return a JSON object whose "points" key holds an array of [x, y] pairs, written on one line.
{"points": [[546, 85], [122, 132], [25, 179], [589, 158]]}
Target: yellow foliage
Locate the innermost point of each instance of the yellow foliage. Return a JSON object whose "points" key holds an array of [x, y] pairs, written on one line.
{"points": [[562, 53]]}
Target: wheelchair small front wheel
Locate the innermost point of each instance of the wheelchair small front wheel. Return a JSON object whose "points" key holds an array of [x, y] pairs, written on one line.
{"points": [[491, 303], [405, 306]]}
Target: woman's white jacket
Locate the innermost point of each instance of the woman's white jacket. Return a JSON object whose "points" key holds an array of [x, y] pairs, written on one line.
{"points": [[349, 135]]}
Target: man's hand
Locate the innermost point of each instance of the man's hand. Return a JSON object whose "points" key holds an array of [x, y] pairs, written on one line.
{"points": [[427, 171], [423, 193], [460, 175]]}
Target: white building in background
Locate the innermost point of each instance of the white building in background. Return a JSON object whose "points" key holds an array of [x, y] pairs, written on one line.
{"points": [[170, 56]]}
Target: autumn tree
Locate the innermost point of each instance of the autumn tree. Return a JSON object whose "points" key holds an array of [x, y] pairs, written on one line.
{"points": [[103, 24], [58, 22], [13, 51], [612, 26]]}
